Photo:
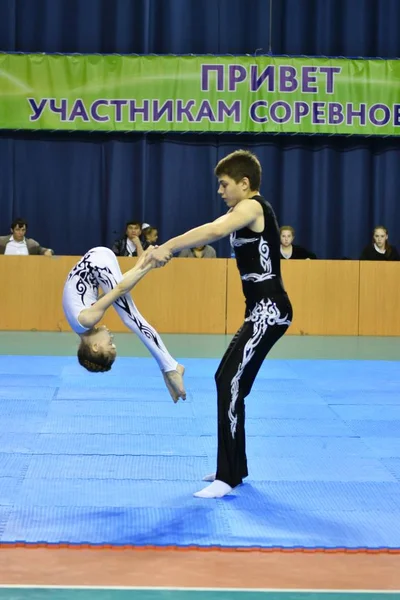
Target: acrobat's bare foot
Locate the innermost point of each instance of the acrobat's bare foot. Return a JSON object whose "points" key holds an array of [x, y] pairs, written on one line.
{"points": [[174, 382]]}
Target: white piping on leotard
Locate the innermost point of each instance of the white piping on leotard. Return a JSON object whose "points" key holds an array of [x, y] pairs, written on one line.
{"points": [[265, 314]]}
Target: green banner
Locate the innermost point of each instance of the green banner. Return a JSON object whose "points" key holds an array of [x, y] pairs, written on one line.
{"points": [[200, 94]]}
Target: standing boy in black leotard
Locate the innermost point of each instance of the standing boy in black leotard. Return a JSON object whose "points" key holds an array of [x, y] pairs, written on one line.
{"points": [[255, 238]]}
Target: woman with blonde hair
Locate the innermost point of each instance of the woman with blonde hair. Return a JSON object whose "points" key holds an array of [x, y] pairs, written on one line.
{"points": [[290, 250]]}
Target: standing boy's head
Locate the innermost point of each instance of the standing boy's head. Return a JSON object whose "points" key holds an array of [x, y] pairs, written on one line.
{"points": [[239, 176]]}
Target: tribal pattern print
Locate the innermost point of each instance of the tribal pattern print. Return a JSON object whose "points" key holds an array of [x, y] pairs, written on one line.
{"points": [[265, 314], [236, 242], [265, 262], [89, 275]]}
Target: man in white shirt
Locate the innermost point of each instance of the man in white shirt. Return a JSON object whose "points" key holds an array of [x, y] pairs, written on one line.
{"points": [[18, 245]]}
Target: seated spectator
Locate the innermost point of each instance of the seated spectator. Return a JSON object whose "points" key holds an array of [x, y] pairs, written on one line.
{"points": [[19, 245], [199, 252], [129, 244], [380, 249], [290, 250], [149, 237]]}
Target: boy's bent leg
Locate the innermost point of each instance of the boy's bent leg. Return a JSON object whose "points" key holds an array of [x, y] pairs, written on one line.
{"points": [[108, 275], [264, 326]]}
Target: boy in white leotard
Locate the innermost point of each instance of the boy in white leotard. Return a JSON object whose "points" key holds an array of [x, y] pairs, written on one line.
{"points": [[84, 308]]}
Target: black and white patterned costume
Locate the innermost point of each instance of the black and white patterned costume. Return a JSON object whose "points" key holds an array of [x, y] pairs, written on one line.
{"points": [[99, 268], [267, 317]]}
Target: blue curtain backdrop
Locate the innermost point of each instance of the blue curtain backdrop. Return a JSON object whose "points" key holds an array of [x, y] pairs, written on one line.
{"points": [[77, 191]]}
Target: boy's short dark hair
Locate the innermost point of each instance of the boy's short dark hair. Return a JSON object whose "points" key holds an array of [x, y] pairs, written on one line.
{"points": [[138, 223], [239, 164], [19, 222]]}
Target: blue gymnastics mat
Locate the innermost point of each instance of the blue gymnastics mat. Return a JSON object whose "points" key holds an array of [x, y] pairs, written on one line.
{"points": [[109, 459]]}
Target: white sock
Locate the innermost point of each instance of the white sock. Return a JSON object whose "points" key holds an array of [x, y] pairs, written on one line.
{"points": [[217, 489], [210, 477]]}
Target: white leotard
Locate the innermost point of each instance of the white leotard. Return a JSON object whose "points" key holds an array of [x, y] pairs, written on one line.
{"points": [[99, 268], [81, 289]]}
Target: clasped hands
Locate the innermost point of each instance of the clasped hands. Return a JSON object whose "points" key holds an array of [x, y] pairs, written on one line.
{"points": [[157, 255]]}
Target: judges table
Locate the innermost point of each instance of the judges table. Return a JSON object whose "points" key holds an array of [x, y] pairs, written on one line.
{"points": [[205, 296]]}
